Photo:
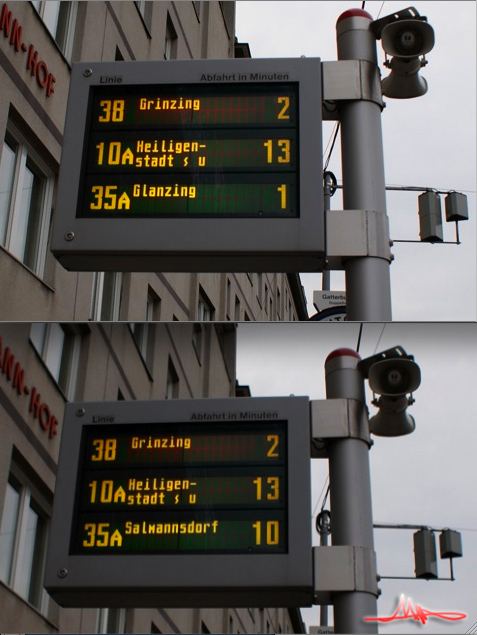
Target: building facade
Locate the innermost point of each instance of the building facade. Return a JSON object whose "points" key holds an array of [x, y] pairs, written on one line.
{"points": [[39, 41], [45, 365]]}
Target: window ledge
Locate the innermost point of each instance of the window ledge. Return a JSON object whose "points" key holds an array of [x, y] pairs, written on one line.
{"points": [[30, 606], [30, 271]]}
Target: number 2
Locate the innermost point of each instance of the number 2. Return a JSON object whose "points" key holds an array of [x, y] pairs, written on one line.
{"points": [[273, 439], [283, 114]]}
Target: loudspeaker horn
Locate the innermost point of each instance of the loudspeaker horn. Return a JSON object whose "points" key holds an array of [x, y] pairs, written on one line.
{"points": [[408, 38], [392, 419], [393, 377], [404, 82]]}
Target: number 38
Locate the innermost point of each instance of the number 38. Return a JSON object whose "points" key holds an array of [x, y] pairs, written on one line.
{"points": [[112, 110]]}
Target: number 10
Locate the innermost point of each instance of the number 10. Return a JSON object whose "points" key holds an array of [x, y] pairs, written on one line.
{"points": [[272, 530]]}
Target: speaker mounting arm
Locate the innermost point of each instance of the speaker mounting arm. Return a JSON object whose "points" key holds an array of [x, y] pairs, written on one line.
{"points": [[391, 353], [411, 13]]}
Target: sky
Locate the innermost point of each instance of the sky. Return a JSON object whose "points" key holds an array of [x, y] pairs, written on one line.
{"points": [[425, 478], [429, 142]]}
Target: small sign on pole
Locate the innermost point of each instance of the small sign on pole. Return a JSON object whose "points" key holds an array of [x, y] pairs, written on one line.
{"points": [[331, 306]]}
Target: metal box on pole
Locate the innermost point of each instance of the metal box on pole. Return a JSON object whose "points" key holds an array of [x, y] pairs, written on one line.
{"points": [[430, 217], [425, 555], [456, 207], [450, 544]]}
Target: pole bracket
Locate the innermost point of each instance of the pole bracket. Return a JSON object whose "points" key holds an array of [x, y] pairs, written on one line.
{"points": [[343, 569], [333, 419], [349, 80], [356, 234]]}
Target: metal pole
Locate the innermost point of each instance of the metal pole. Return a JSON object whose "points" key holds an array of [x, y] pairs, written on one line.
{"points": [[326, 275], [350, 492], [324, 529], [368, 288]]}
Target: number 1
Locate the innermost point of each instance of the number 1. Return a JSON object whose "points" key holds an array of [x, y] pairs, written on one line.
{"points": [[282, 189]]}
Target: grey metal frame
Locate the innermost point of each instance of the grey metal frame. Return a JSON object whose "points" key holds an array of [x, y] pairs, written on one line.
{"points": [[194, 244], [184, 580]]}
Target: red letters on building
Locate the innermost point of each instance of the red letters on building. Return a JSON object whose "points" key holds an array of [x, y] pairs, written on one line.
{"points": [[15, 374], [13, 31]]}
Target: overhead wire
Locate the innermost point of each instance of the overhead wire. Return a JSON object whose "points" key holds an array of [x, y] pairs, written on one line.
{"points": [[320, 495], [334, 136], [382, 5], [379, 338], [360, 333]]}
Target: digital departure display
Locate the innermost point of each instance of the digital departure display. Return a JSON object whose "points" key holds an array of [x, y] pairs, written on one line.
{"points": [[159, 488], [183, 503], [176, 150]]}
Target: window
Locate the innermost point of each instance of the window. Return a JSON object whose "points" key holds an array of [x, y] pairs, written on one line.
{"points": [[141, 6], [260, 288], [198, 341], [59, 18], [205, 309], [228, 13], [197, 6], [59, 347], [172, 387], [170, 49], [237, 309], [106, 298], [23, 535], [228, 299], [26, 192], [111, 621], [143, 332], [145, 11]]}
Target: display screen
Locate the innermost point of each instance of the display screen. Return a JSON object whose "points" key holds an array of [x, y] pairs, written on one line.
{"points": [[192, 150], [182, 488]]}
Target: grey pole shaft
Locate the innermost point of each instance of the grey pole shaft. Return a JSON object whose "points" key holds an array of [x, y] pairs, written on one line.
{"points": [[326, 275], [350, 493], [368, 288], [323, 526]]}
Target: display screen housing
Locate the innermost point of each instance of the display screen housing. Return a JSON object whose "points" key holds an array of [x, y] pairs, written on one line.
{"points": [[181, 503], [192, 166]]}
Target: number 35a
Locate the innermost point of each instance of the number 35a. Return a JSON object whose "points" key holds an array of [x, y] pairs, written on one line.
{"points": [[105, 197]]}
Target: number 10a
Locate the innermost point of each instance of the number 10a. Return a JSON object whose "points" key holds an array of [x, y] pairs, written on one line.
{"points": [[270, 533]]}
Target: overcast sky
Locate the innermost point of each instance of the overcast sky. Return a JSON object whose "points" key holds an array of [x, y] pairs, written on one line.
{"points": [[429, 142], [425, 478]]}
